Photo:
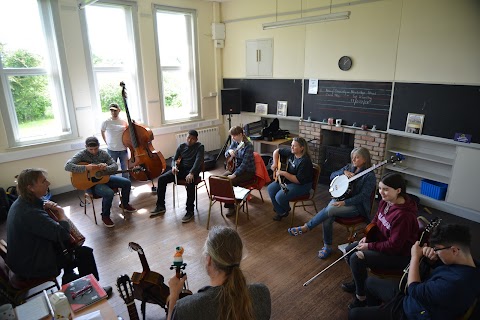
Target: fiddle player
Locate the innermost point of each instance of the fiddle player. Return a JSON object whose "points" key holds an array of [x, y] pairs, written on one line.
{"points": [[357, 204], [100, 159], [112, 132], [228, 297], [397, 225], [451, 290], [297, 178], [190, 157], [36, 241]]}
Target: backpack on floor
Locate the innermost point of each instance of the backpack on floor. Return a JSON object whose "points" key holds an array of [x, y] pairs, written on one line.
{"points": [[4, 204]]}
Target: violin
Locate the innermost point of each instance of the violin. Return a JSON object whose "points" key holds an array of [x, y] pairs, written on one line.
{"points": [[148, 286], [179, 265], [138, 139]]}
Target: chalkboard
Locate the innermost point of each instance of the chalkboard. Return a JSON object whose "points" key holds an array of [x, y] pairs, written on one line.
{"points": [[269, 91], [448, 109], [357, 102]]}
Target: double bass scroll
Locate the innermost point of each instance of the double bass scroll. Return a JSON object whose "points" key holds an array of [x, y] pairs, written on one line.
{"points": [[138, 139]]}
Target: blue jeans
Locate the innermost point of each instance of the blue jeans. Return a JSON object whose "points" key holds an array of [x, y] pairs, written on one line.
{"points": [[105, 191], [326, 217], [123, 156], [280, 200]]}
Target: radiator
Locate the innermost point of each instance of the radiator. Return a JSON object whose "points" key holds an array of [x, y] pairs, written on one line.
{"points": [[209, 137]]}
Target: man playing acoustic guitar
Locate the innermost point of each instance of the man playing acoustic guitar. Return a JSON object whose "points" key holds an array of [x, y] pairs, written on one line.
{"points": [[93, 159], [451, 291]]}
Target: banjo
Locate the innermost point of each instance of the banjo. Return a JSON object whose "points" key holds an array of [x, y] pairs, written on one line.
{"points": [[340, 186]]}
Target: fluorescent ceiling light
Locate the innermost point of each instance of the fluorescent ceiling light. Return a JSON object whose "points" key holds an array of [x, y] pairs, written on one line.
{"points": [[315, 19]]}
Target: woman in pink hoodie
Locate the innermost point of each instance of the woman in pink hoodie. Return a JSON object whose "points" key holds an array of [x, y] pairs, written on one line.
{"points": [[397, 224]]}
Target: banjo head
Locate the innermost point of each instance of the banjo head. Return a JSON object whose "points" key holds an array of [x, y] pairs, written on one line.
{"points": [[339, 186]]}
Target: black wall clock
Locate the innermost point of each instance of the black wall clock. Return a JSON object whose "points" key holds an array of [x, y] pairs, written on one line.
{"points": [[345, 63]]}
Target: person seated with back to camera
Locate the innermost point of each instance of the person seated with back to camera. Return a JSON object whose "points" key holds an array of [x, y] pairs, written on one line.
{"points": [[357, 204], [97, 158], [241, 150], [297, 178], [36, 241], [191, 156], [397, 224], [450, 291], [228, 297]]}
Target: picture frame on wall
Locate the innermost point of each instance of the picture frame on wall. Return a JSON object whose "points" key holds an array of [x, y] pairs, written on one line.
{"points": [[261, 108], [282, 108], [414, 123]]}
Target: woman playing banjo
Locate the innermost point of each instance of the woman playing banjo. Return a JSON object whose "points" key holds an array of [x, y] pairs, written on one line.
{"points": [[358, 204]]}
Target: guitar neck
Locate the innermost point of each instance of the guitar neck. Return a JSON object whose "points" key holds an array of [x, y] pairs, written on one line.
{"points": [[144, 262], [364, 172], [132, 311]]}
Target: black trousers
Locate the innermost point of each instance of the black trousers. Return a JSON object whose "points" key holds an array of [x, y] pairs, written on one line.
{"points": [[81, 258], [169, 177], [374, 260], [385, 301]]}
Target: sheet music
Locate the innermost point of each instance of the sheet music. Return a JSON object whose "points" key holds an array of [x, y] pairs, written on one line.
{"points": [[240, 192]]}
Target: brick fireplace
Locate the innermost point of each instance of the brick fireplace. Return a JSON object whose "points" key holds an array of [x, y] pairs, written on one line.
{"points": [[374, 141]]}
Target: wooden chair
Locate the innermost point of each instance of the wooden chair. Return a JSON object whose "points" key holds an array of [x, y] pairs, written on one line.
{"points": [[199, 182], [261, 176], [308, 199], [221, 190], [352, 224], [16, 290], [89, 197]]}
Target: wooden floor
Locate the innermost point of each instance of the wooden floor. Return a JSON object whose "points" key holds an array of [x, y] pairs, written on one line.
{"points": [[272, 256]]}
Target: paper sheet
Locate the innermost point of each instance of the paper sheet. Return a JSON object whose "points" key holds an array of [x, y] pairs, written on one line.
{"points": [[95, 315]]}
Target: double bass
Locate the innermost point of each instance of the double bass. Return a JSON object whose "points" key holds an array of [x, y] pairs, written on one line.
{"points": [[138, 139]]}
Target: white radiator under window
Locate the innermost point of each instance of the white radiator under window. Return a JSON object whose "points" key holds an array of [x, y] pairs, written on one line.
{"points": [[209, 137]]}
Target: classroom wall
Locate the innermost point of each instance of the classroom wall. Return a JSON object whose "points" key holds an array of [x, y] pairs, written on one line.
{"points": [[390, 40], [53, 156]]}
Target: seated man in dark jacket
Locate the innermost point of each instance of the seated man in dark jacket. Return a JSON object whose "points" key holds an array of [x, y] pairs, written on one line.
{"points": [[36, 241], [186, 164], [451, 289]]}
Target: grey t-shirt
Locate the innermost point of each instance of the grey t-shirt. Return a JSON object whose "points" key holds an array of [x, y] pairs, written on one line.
{"points": [[204, 305]]}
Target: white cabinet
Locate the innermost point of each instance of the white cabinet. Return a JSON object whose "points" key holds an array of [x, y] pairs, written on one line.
{"points": [[259, 55], [442, 161]]}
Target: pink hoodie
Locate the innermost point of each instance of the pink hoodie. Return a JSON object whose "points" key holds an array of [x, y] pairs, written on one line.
{"points": [[399, 226]]}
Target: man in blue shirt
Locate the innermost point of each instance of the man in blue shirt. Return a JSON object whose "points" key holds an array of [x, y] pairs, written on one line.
{"points": [[449, 292]]}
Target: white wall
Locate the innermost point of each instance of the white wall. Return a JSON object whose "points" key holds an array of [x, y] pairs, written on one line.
{"points": [[390, 40]]}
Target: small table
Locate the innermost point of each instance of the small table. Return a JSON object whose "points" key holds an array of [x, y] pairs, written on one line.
{"points": [[263, 146], [103, 306]]}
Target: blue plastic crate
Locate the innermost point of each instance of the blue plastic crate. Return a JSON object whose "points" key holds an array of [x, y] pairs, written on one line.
{"points": [[434, 189]]}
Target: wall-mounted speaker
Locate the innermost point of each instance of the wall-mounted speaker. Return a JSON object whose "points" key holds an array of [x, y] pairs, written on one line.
{"points": [[231, 101]]}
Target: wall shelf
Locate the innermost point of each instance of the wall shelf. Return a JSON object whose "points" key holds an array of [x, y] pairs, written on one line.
{"points": [[424, 156], [418, 173]]}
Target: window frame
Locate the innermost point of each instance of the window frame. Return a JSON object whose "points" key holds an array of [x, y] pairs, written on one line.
{"points": [[194, 56], [58, 80], [134, 90]]}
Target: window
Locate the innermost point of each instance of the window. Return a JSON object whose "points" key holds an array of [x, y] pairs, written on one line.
{"points": [[177, 54], [35, 100], [113, 57]]}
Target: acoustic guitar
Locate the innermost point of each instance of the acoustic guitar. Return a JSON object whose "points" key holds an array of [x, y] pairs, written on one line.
{"points": [[86, 180], [424, 267], [230, 161], [125, 289], [283, 166], [341, 186], [148, 286]]}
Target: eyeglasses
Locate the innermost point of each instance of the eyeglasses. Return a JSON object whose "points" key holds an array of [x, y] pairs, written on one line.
{"points": [[440, 249]]}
